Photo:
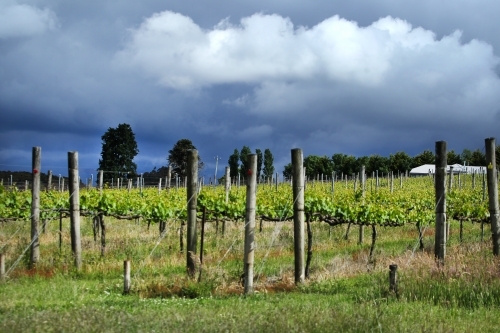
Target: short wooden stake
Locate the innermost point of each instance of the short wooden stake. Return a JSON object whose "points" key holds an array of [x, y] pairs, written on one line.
{"points": [[393, 278], [2, 266], [126, 277]]}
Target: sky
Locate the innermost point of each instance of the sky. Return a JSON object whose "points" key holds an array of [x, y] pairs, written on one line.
{"points": [[354, 77]]}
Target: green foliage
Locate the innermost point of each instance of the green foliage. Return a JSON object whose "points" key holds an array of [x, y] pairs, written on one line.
{"points": [[425, 157], [268, 171], [318, 165], [244, 152], [400, 161], [233, 163], [177, 157], [118, 151], [260, 160], [453, 158]]}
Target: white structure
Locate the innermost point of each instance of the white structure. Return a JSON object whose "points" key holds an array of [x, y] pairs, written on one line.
{"points": [[457, 168]]}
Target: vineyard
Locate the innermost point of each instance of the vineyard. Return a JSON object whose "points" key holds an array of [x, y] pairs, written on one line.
{"points": [[147, 227]]}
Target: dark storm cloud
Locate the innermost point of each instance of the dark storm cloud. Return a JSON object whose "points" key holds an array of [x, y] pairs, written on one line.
{"points": [[266, 74]]}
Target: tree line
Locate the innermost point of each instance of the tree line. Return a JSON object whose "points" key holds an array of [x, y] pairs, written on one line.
{"points": [[398, 162], [119, 148]]}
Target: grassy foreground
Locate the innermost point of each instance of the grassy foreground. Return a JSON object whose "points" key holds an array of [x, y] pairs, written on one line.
{"points": [[345, 292]]}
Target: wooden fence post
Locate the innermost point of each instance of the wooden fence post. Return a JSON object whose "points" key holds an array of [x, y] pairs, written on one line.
{"points": [[126, 277], [49, 181], [2, 266], [74, 207], [192, 199], [493, 194], [440, 188], [249, 245], [298, 213], [35, 206], [393, 278]]}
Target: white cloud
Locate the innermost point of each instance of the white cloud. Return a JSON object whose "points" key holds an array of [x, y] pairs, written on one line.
{"points": [[21, 20], [181, 55]]}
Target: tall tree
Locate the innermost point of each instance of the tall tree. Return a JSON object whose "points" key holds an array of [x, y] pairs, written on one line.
{"points": [[234, 163], [453, 158], [177, 157], [118, 151], [377, 163], [268, 170], [400, 161], [259, 163], [425, 157], [244, 152], [478, 158], [345, 164], [318, 165]]}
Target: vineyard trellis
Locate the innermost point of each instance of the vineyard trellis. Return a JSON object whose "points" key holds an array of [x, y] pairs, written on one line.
{"points": [[382, 205]]}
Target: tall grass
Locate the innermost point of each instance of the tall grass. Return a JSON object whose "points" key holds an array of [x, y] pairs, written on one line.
{"points": [[345, 292]]}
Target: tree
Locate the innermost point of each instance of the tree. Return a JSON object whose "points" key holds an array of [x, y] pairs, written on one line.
{"points": [[425, 157], [177, 157], [118, 151], [318, 165], [400, 161], [377, 163], [453, 158], [259, 162], [268, 170], [478, 158], [466, 156], [344, 164], [287, 171], [244, 152], [233, 163]]}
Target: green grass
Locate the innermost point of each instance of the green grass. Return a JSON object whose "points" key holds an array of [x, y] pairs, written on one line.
{"points": [[345, 292]]}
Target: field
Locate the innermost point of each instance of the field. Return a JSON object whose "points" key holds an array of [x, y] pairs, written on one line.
{"points": [[347, 290]]}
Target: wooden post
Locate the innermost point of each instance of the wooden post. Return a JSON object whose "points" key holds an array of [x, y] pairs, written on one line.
{"points": [[35, 206], [362, 180], [440, 188], [74, 208], [49, 182], [333, 184], [227, 182], [393, 278], [101, 180], [192, 199], [450, 179], [493, 194], [249, 245], [169, 176], [159, 186], [126, 277], [298, 213], [392, 182], [2, 266]]}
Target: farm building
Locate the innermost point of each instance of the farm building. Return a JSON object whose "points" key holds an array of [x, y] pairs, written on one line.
{"points": [[457, 168]]}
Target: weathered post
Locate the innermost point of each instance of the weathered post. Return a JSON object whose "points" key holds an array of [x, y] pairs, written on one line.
{"points": [[35, 206], [493, 194], [74, 207], [362, 181], [227, 182], [126, 277], [192, 199], [49, 182], [450, 179], [249, 245], [2, 266], [393, 278], [298, 213], [440, 188]]}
